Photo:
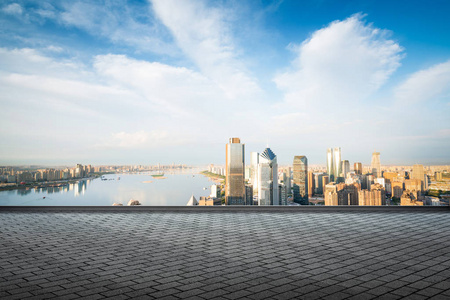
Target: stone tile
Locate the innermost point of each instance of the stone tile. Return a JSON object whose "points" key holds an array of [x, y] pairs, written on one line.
{"points": [[164, 255]]}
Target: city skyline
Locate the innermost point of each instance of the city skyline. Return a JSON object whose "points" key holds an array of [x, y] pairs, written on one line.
{"points": [[160, 82]]}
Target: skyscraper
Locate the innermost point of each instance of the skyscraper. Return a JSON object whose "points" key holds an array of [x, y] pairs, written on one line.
{"points": [[418, 172], [254, 160], [330, 170], [337, 163], [311, 184], [358, 168], [375, 166], [235, 186], [268, 179], [345, 168], [300, 174]]}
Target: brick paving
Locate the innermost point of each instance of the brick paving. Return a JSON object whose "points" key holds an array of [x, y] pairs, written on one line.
{"points": [[206, 255]]}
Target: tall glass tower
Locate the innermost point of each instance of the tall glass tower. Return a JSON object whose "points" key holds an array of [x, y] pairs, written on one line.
{"points": [[235, 169], [376, 165], [268, 179], [358, 168], [300, 174], [330, 170], [337, 170], [254, 160]]}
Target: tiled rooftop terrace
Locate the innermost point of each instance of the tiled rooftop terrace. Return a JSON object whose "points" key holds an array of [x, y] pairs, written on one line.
{"points": [[201, 254]]}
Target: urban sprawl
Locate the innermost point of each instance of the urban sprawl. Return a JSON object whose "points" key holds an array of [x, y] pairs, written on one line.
{"points": [[264, 183]]}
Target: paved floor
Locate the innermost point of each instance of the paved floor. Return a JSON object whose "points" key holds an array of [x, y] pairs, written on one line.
{"points": [[166, 255]]}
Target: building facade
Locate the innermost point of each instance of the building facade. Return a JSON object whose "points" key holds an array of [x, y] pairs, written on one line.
{"points": [[235, 168], [330, 165], [337, 164], [357, 166], [268, 179], [300, 180], [376, 165]]}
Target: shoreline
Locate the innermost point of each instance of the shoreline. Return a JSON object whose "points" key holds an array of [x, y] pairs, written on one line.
{"points": [[46, 184], [217, 177]]}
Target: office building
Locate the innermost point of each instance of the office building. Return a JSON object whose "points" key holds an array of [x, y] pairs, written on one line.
{"points": [[413, 185], [419, 173], [357, 168], [300, 182], [249, 194], [215, 191], [330, 194], [254, 160], [337, 164], [325, 181], [268, 178], [375, 197], [288, 181], [318, 182], [376, 165], [345, 168], [330, 165], [397, 187], [311, 184], [282, 189], [235, 184]]}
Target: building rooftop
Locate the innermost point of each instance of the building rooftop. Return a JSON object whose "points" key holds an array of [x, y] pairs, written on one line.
{"points": [[202, 253]]}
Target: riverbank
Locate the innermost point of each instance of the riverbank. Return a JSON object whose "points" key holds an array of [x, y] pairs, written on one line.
{"points": [[45, 184], [213, 176]]}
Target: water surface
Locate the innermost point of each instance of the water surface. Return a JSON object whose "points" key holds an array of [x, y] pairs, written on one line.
{"points": [[176, 189]]}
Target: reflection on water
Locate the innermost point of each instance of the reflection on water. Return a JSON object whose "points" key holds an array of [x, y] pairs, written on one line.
{"points": [[176, 189]]}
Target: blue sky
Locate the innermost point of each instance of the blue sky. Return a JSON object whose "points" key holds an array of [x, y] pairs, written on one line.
{"points": [[142, 82]]}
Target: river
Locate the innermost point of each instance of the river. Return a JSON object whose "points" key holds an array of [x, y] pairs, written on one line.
{"points": [[175, 189]]}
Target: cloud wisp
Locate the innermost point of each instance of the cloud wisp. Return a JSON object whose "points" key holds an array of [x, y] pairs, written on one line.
{"points": [[204, 35]]}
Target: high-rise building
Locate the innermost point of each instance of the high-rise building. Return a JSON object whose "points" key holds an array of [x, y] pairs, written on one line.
{"points": [[318, 182], [376, 165], [413, 184], [249, 194], [345, 168], [397, 187], [282, 193], [235, 184], [254, 160], [330, 168], [438, 176], [337, 163], [419, 173], [311, 184], [268, 179], [325, 181], [330, 194], [288, 181], [300, 174], [215, 192], [375, 197], [358, 168]]}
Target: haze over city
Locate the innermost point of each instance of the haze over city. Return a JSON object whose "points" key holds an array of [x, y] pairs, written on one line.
{"points": [[172, 81]]}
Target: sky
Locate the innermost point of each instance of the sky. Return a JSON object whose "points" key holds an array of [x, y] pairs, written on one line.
{"points": [[164, 81]]}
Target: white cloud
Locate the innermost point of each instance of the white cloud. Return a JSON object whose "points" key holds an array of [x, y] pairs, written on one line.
{"points": [[177, 91], [425, 85], [119, 23], [203, 34], [341, 64], [13, 9]]}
